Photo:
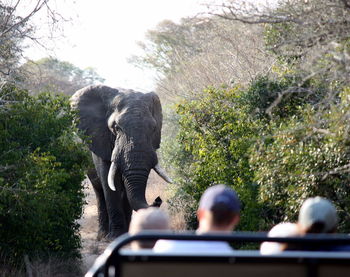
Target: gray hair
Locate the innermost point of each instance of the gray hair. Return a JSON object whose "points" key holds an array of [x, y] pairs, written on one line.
{"points": [[148, 219]]}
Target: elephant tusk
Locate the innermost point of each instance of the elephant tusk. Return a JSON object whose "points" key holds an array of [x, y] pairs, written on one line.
{"points": [[160, 171], [111, 174]]}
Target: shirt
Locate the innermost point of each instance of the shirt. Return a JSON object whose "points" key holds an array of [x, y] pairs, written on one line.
{"points": [[177, 246]]}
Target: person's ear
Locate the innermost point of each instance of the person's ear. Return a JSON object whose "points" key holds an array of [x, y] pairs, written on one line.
{"points": [[236, 219], [200, 214]]}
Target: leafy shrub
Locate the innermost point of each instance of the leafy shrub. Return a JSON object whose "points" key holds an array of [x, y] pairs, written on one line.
{"points": [[306, 157], [273, 162], [266, 98], [41, 169], [214, 138]]}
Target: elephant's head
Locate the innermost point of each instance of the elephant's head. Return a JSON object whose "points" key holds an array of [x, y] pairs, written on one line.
{"points": [[125, 129]]}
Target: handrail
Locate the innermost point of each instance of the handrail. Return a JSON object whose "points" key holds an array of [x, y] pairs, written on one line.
{"points": [[113, 249]]}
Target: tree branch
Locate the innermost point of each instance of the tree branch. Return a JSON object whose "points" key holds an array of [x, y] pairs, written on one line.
{"points": [[37, 8]]}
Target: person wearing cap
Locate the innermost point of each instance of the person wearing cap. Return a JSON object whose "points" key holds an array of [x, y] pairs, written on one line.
{"points": [[218, 212], [317, 215], [151, 218]]}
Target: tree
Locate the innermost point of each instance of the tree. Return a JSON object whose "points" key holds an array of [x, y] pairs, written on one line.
{"points": [[16, 29], [50, 74], [199, 52], [310, 37]]}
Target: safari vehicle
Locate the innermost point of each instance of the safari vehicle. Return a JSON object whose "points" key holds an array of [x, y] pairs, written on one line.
{"points": [[119, 260]]}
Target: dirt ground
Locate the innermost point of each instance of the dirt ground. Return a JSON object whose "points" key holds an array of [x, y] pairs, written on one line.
{"points": [[91, 248]]}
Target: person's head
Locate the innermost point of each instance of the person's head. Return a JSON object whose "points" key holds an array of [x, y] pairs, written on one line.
{"points": [[317, 215], [147, 219], [285, 229], [219, 209]]}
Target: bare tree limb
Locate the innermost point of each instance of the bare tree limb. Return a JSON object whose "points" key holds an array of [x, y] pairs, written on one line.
{"points": [[37, 8], [340, 169]]}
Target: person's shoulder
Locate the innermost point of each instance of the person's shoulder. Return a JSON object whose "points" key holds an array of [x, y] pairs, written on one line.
{"points": [[189, 246], [214, 246], [164, 245]]}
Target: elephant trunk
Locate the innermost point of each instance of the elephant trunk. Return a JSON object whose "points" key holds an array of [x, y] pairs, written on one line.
{"points": [[135, 183]]}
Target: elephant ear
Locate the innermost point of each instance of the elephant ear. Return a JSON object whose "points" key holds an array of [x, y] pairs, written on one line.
{"points": [[92, 104], [156, 109]]}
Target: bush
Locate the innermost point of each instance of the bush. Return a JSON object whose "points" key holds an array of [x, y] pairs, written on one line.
{"points": [[266, 98], [214, 138], [273, 162], [306, 156], [41, 169]]}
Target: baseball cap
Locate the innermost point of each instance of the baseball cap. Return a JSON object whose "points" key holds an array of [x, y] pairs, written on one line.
{"points": [[318, 209], [220, 195]]}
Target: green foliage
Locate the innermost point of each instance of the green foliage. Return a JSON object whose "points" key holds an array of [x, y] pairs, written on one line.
{"points": [[215, 135], [307, 153], [275, 34], [173, 155], [304, 158], [41, 169], [274, 162], [280, 138], [281, 98]]}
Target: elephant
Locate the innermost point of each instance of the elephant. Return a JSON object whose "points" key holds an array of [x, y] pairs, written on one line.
{"points": [[124, 131]]}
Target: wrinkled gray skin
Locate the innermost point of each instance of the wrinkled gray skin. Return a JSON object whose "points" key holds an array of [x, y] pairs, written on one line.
{"points": [[125, 130]]}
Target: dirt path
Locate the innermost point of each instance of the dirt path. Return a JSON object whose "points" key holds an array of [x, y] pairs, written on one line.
{"points": [[91, 248]]}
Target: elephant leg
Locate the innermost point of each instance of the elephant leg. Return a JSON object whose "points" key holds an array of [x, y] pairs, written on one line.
{"points": [[103, 222], [117, 217], [113, 199]]}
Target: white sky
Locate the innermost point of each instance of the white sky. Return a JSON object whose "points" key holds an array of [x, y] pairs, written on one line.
{"points": [[105, 33]]}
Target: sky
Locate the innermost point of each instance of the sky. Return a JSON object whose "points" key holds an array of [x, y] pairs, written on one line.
{"points": [[103, 34]]}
